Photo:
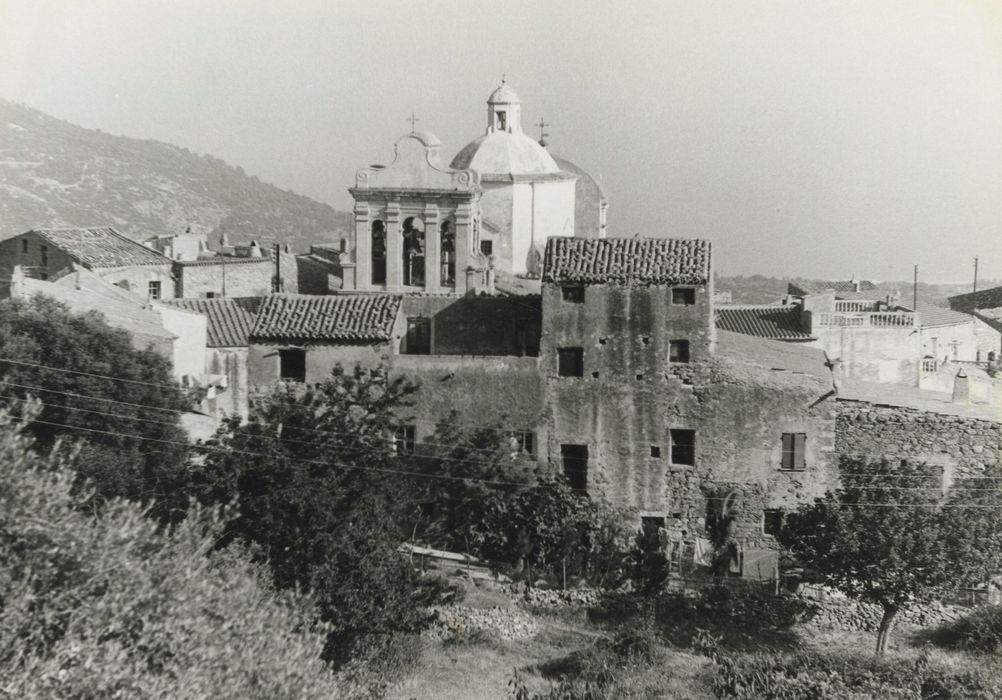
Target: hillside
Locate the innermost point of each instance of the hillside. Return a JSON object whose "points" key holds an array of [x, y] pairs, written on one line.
{"points": [[756, 289], [53, 173]]}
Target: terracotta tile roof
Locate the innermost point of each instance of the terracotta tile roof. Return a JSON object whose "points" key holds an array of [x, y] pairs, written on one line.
{"points": [[930, 315], [778, 322], [230, 319], [360, 317], [101, 247], [803, 287], [775, 355], [220, 260], [661, 261]]}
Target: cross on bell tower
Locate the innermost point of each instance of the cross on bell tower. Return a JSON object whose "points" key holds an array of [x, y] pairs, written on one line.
{"points": [[542, 132]]}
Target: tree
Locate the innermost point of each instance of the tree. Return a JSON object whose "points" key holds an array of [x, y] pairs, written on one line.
{"points": [[120, 404], [891, 536], [109, 604], [320, 490]]}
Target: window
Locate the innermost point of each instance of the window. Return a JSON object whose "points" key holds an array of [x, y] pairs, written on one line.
{"points": [[404, 440], [24, 245], [575, 458], [210, 295], [793, 450], [44, 250], [44, 276], [656, 451], [154, 290], [683, 447], [526, 337], [570, 362], [292, 364], [683, 297], [772, 522], [678, 350], [523, 443], [502, 120], [378, 252], [418, 340], [487, 248], [574, 294]]}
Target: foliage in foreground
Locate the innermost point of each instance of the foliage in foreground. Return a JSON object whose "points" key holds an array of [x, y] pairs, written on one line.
{"points": [[890, 536], [106, 605], [980, 630]]}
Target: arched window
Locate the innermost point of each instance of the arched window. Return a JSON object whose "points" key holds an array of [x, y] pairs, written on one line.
{"points": [[447, 237], [378, 252], [413, 251]]}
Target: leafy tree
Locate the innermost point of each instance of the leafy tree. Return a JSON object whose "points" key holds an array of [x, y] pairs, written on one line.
{"points": [[320, 491], [890, 536], [110, 605], [132, 444]]}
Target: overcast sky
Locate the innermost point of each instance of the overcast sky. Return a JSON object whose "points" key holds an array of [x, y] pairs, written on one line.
{"points": [[802, 137]]}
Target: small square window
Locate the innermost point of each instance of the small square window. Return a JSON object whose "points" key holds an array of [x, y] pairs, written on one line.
{"points": [[292, 364], [154, 290], [602, 341], [595, 374], [570, 362], [210, 295], [685, 296], [640, 377], [404, 440], [24, 245], [683, 447], [794, 451], [646, 340], [678, 351], [44, 276], [574, 294], [772, 522], [656, 451], [524, 443], [418, 340], [487, 248]]}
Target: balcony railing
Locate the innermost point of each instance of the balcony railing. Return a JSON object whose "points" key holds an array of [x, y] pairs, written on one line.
{"points": [[855, 306], [877, 319]]}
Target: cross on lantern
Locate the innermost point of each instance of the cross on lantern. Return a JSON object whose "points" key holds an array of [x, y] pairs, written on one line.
{"points": [[542, 131]]}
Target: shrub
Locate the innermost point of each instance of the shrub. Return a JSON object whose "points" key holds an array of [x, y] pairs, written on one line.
{"points": [[979, 630]]}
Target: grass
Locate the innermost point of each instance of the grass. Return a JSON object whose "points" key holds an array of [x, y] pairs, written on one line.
{"points": [[568, 645]]}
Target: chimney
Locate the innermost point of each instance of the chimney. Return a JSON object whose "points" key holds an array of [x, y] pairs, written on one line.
{"points": [[836, 368], [961, 387]]}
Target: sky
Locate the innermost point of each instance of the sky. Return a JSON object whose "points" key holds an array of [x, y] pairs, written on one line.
{"points": [[807, 138]]}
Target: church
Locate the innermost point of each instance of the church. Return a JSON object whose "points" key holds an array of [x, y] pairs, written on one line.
{"points": [[421, 226]]}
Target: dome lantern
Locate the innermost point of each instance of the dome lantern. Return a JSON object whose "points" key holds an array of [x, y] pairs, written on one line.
{"points": [[504, 110]]}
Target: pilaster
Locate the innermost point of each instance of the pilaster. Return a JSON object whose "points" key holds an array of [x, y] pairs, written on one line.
{"points": [[394, 248]]}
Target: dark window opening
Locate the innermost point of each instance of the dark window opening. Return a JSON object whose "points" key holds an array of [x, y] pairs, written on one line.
{"points": [[683, 296], [502, 120], [595, 374], [656, 451], [650, 525], [154, 290], [418, 341], [678, 351], [44, 250], [487, 248], [524, 443], [640, 377], [378, 252], [645, 340], [575, 459], [527, 337], [772, 522], [683, 447], [413, 235], [404, 440], [794, 451], [602, 341], [573, 294], [447, 242], [570, 362], [210, 295], [24, 245], [292, 364], [44, 276]]}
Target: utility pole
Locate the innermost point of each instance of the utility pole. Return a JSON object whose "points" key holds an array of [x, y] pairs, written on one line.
{"points": [[915, 291], [975, 274]]}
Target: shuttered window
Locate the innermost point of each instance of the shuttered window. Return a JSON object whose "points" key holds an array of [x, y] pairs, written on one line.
{"points": [[794, 445]]}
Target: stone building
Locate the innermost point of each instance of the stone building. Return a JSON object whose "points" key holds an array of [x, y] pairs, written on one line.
{"points": [[46, 253]]}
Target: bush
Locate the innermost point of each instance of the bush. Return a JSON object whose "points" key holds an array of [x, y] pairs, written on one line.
{"points": [[108, 605], [812, 675], [979, 630]]}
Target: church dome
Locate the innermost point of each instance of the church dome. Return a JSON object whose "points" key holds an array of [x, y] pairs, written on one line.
{"points": [[505, 153]]}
